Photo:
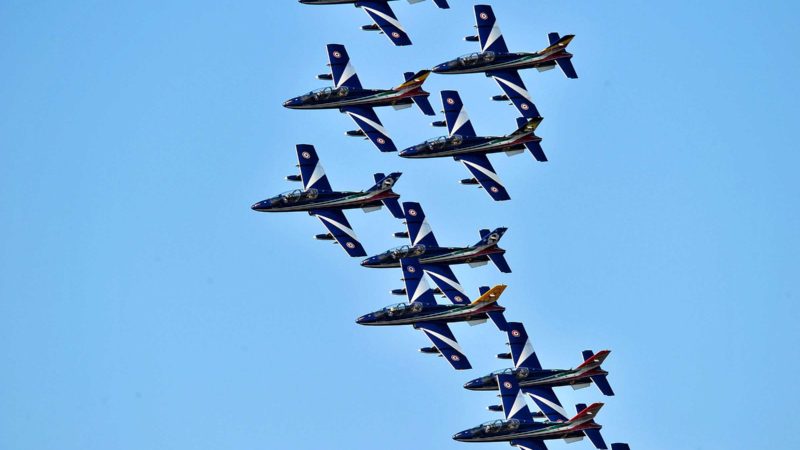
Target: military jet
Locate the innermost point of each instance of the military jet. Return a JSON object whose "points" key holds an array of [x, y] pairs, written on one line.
{"points": [[538, 383], [319, 199], [423, 313], [463, 144], [381, 13], [521, 430], [436, 260], [349, 97], [497, 62]]}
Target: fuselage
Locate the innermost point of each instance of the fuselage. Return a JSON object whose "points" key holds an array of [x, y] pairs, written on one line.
{"points": [[432, 255], [487, 61], [343, 96], [311, 199], [413, 313], [529, 377], [509, 430], [456, 145]]}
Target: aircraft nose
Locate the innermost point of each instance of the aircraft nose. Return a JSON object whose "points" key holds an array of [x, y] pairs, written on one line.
{"points": [[367, 262], [291, 102], [258, 206], [440, 68], [472, 384], [461, 435], [364, 319]]}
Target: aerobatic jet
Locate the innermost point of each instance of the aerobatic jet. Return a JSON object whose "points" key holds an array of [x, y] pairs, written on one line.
{"points": [[423, 313], [349, 97], [381, 13], [497, 62], [319, 199], [521, 430], [436, 260], [538, 383], [463, 144]]}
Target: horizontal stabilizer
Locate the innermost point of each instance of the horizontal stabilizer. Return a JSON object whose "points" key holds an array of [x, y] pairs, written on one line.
{"points": [[620, 446], [602, 383], [499, 260], [567, 67], [596, 438]]}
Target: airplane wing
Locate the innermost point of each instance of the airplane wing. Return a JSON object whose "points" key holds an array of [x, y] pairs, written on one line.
{"points": [[511, 83], [342, 70], [311, 171], [446, 280], [522, 352], [480, 167], [370, 124], [529, 444], [489, 33], [444, 341], [383, 16], [514, 406], [417, 288], [419, 230], [548, 403], [455, 115], [337, 224]]}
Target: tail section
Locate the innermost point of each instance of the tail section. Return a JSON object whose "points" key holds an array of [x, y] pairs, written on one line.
{"points": [[560, 43], [456, 115], [522, 352], [592, 361], [586, 414], [311, 172], [490, 296], [413, 81], [528, 127], [593, 433], [421, 101], [497, 317], [385, 183], [419, 231], [491, 238]]}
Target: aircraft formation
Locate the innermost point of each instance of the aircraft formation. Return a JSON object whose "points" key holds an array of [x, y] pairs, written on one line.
{"points": [[423, 258]]}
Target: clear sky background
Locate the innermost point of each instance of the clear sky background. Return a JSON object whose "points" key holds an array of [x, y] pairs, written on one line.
{"points": [[143, 305]]}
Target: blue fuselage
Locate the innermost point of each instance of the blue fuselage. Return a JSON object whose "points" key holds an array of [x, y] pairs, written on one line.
{"points": [[434, 255], [489, 61], [335, 98], [457, 145], [545, 377], [413, 313], [509, 430], [311, 200]]}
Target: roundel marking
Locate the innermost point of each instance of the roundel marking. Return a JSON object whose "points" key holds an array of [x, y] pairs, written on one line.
{"points": [[412, 212], [411, 269], [395, 34], [515, 333], [455, 358], [381, 140], [524, 106], [306, 155], [336, 54], [450, 101], [350, 245], [457, 298], [507, 385], [484, 16], [494, 189]]}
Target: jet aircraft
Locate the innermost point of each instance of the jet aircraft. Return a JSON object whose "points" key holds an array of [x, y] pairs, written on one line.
{"points": [[497, 62], [381, 13], [436, 260], [319, 199], [349, 97], [463, 144], [521, 430], [423, 313], [538, 383]]}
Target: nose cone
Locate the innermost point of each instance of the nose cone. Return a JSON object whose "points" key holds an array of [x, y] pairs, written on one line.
{"points": [[440, 68], [462, 435], [292, 102], [369, 262], [473, 385], [407, 152], [366, 319], [261, 206]]}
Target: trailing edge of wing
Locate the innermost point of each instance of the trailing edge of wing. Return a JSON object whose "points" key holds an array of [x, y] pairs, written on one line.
{"points": [[512, 85], [482, 170], [337, 224], [383, 16], [443, 339], [371, 125]]}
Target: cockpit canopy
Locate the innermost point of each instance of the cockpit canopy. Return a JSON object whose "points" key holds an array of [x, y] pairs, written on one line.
{"points": [[406, 251], [399, 309], [440, 143], [294, 196], [326, 93], [472, 59], [496, 426]]}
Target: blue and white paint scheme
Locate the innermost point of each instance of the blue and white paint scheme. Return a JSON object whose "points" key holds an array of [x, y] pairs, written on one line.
{"points": [[520, 428], [463, 144], [317, 198], [381, 14], [494, 60], [349, 97], [424, 313], [436, 260]]}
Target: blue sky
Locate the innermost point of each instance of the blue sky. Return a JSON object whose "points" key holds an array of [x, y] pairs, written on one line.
{"points": [[144, 305]]}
